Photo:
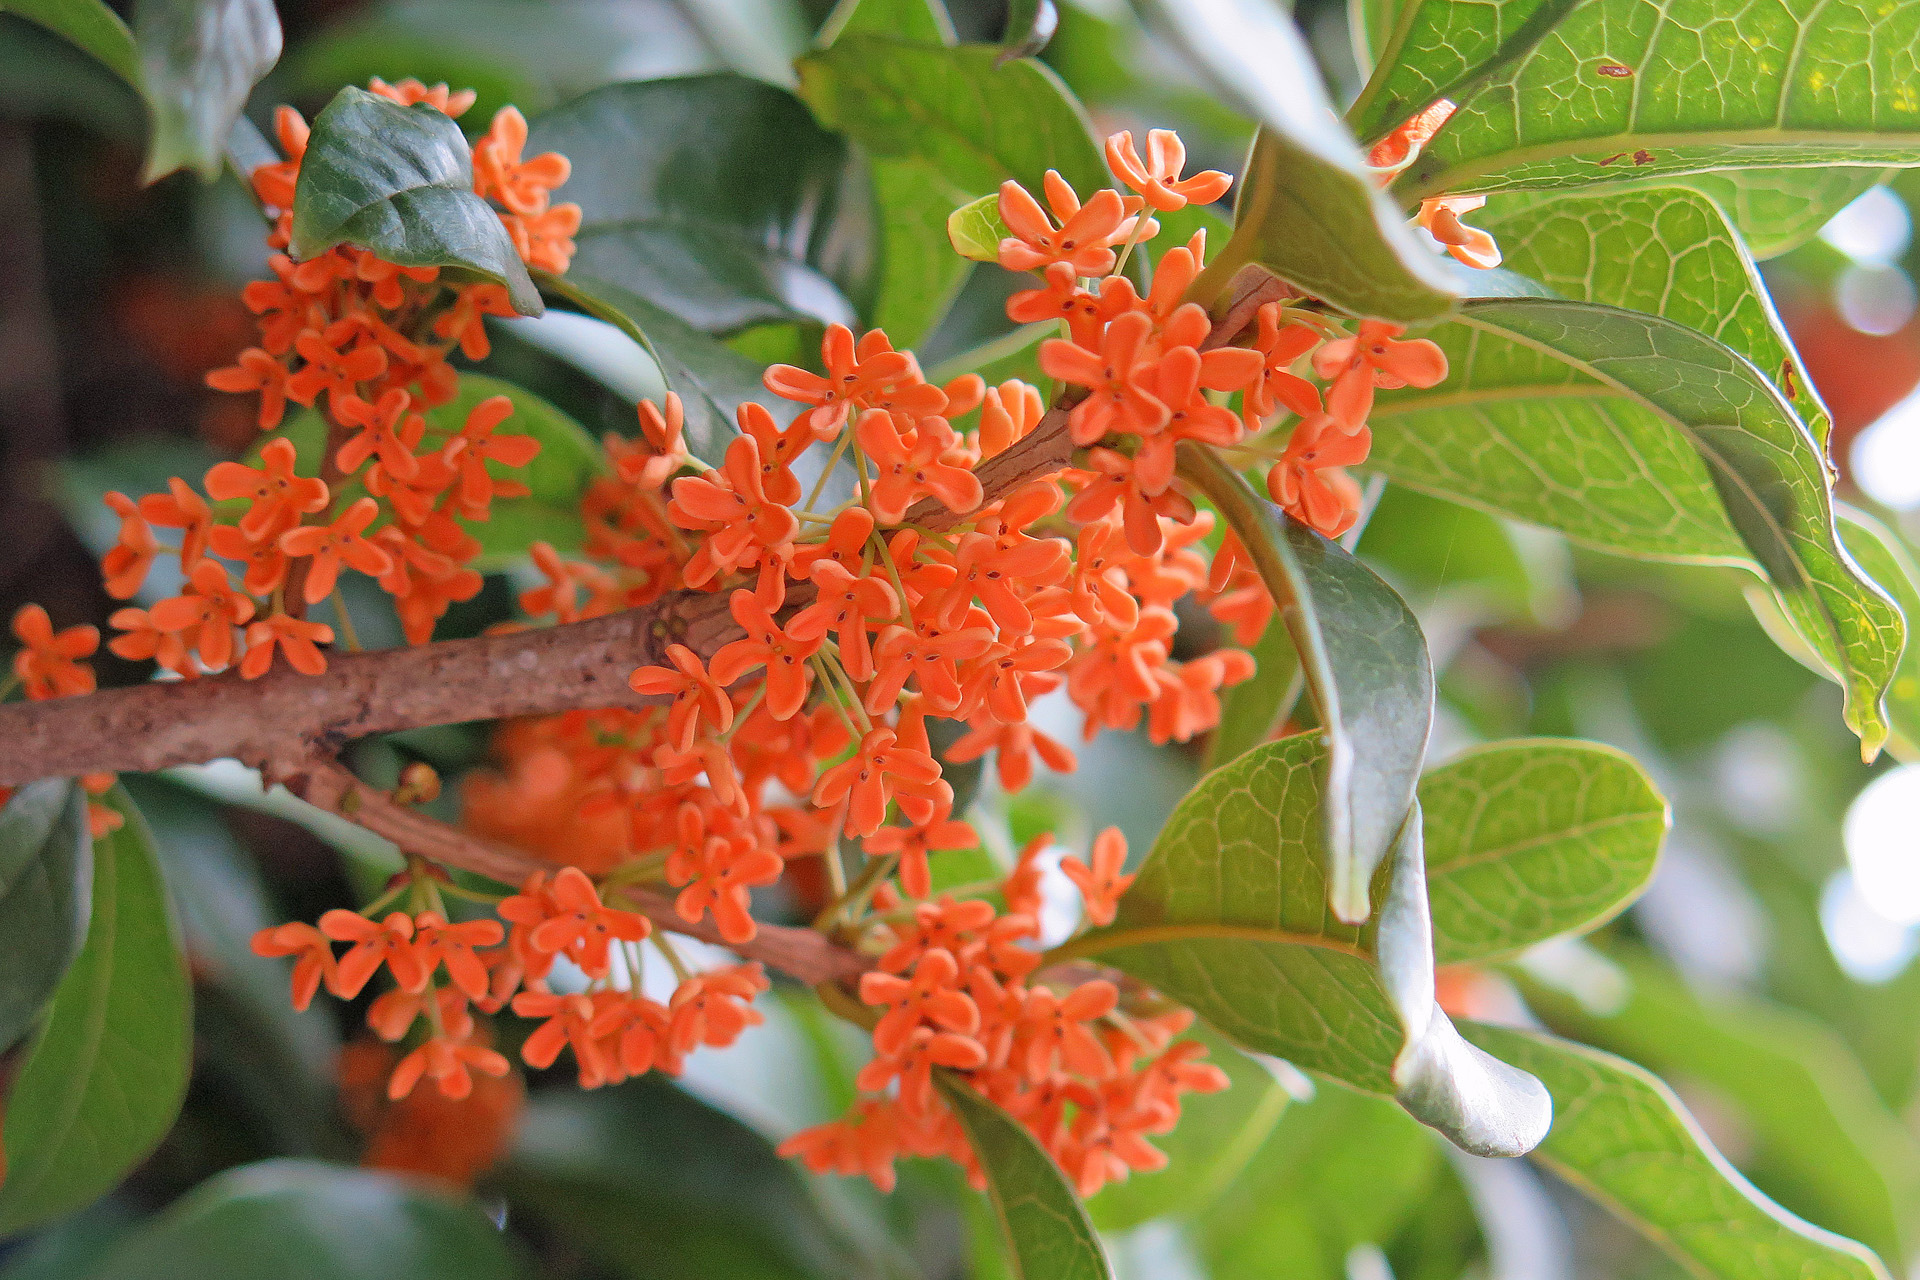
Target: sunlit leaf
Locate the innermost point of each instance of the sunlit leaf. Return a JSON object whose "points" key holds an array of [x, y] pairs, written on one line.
{"points": [[1621, 1137], [1888, 560], [101, 1083], [398, 182], [1532, 838], [46, 877]]}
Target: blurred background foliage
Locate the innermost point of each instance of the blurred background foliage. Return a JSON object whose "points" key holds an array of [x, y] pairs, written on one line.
{"points": [[1769, 973]]}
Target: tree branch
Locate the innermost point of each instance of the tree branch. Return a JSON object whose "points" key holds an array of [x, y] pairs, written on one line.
{"points": [[811, 957]]}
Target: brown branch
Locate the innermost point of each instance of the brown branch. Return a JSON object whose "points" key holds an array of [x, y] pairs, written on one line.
{"points": [[811, 957]]}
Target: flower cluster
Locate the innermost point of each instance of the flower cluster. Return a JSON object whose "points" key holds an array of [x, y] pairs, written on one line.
{"points": [[53, 664]]}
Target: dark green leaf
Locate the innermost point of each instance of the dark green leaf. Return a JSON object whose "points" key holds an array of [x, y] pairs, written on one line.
{"points": [[298, 1220], [975, 123], [1441, 48], [1228, 916], [199, 59], [1768, 472], [1823, 1142], [1366, 666], [1044, 1225], [1530, 839], [46, 874], [1621, 1137], [1434, 551], [711, 380], [1218, 1134], [705, 195], [398, 181], [1250, 711], [1629, 89], [90, 24], [105, 1077], [1666, 251], [1307, 208], [654, 1183]]}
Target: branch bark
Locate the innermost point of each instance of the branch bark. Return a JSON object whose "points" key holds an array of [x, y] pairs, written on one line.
{"points": [[811, 957]]}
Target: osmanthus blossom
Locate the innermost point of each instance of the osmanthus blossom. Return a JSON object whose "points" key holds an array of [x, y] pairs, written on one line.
{"points": [[931, 589]]}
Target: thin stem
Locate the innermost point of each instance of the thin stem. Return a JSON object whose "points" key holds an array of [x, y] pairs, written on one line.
{"points": [[833, 460], [854, 899], [346, 621], [1139, 227], [680, 969]]}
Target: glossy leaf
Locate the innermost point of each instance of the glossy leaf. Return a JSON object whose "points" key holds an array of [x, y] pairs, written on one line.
{"points": [[1436, 49], [1630, 87], [1780, 209], [1769, 474], [199, 59], [90, 24], [710, 196], [307, 1221], [974, 122], [976, 229], [1228, 916], [398, 182], [1044, 1225], [652, 1182], [46, 878], [1622, 1137], [1888, 560], [1306, 207], [103, 1080], [1821, 1140], [1533, 838], [1030, 25], [711, 380], [1668, 252], [1365, 664]]}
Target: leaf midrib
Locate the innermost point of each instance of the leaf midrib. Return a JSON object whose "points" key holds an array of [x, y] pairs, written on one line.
{"points": [[1580, 832]]}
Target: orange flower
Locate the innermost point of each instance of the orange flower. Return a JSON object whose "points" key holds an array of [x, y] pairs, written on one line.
{"points": [[315, 952], [878, 769], [1014, 746], [914, 846], [386, 430], [569, 1021], [1307, 480], [930, 997], [1080, 239], [711, 1008], [144, 640], [476, 445], [1052, 1031], [439, 97], [732, 507], [1373, 358], [664, 433], [438, 942], [913, 1063], [927, 655], [389, 942], [783, 654], [1441, 217], [910, 472], [545, 240], [1061, 298], [180, 508], [447, 1063], [578, 924], [274, 183], [845, 604], [298, 640], [329, 369], [278, 496], [1102, 884], [696, 695], [1275, 387], [256, 370], [1400, 148], [1011, 412], [1117, 398], [333, 545], [851, 380], [210, 610], [499, 173], [1158, 180], [463, 321], [124, 567], [718, 871]]}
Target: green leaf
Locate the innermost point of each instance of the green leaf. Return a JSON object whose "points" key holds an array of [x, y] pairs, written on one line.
{"points": [[1630, 88], [398, 182], [199, 59], [306, 1221], [1043, 1223], [105, 1077], [46, 870], [1530, 839], [976, 229], [1218, 1134], [711, 380], [919, 273], [1228, 916], [1666, 251], [652, 1182], [1888, 560], [1438, 49], [712, 197], [1780, 209], [974, 122], [1623, 1139], [90, 24], [1307, 208], [1445, 552], [1030, 25], [1365, 663], [1822, 1141], [1769, 473]]}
